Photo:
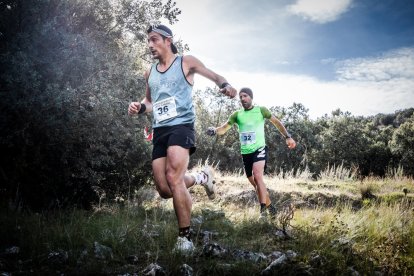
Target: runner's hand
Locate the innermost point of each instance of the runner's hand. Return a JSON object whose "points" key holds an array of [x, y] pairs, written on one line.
{"points": [[211, 131], [290, 143], [133, 108], [229, 91]]}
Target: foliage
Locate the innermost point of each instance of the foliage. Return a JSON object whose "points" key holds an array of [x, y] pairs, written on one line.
{"points": [[358, 145], [68, 71], [402, 145], [213, 109]]}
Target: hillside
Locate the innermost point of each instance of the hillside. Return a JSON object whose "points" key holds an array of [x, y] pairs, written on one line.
{"points": [[323, 227]]}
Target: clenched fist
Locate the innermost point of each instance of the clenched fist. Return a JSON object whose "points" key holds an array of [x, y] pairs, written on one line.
{"points": [[211, 131]]}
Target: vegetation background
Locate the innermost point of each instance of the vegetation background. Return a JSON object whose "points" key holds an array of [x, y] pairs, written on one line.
{"points": [[68, 70]]}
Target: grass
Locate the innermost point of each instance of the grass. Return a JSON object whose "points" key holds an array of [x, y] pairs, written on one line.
{"points": [[333, 231]]}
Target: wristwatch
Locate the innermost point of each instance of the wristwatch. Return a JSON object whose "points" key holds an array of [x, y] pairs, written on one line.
{"points": [[288, 136]]}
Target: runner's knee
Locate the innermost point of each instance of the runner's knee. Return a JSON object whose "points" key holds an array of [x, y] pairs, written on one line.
{"points": [[165, 193], [173, 179], [258, 175]]}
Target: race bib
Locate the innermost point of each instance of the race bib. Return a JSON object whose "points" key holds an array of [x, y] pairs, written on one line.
{"points": [[248, 137], [165, 109]]}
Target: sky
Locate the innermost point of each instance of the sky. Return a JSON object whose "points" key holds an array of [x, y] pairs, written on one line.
{"points": [[355, 55]]}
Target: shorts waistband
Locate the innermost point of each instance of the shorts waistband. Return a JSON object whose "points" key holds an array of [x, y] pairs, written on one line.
{"points": [[191, 125]]}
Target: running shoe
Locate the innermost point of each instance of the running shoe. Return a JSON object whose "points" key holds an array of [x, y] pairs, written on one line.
{"points": [[184, 246], [209, 184]]}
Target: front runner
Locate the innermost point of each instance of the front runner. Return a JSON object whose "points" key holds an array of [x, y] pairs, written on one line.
{"points": [[250, 121], [168, 96]]}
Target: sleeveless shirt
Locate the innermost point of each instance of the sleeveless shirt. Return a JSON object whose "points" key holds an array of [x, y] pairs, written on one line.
{"points": [[251, 127], [171, 95]]}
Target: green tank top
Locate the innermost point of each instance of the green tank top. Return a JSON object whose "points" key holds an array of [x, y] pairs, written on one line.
{"points": [[251, 127]]}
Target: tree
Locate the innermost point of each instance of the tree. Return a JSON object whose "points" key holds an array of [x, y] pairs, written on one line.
{"points": [[296, 121], [402, 145], [342, 142], [213, 109], [68, 71]]}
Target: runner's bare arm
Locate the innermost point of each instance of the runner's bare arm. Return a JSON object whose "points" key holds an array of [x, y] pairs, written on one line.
{"points": [[211, 131], [278, 124], [192, 65], [135, 107], [147, 100], [223, 129]]}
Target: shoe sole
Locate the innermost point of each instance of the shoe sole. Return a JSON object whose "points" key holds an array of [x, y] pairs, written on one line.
{"points": [[210, 173]]}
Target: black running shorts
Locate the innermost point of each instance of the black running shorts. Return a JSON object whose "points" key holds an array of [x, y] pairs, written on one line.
{"points": [[249, 159], [179, 135]]}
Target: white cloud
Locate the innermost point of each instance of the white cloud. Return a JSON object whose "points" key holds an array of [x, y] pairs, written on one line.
{"points": [[395, 64], [237, 33], [320, 11], [230, 45], [366, 86]]}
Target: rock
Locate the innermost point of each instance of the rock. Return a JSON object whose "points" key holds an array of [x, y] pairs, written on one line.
{"points": [[132, 259], [274, 265], [197, 220], [343, 244], [213, 250], [186, 270], [286, 265], [281, 235], [291, 254], [274, 255], [342, 241], [57, 258], [154, 270], [207, 236], [316, 260], [14, 250], [102, 252], [251, 256]]}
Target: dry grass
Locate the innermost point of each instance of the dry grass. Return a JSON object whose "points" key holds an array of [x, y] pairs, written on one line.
{"points": [[330, 220]]}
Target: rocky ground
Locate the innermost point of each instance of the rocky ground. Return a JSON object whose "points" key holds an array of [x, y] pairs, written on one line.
{"points": [[235, 196]]}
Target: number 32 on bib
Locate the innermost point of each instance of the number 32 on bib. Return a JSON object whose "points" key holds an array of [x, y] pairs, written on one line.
{"points": [[248, 137]]}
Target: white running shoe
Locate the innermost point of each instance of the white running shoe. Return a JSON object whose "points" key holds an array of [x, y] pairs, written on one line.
{"points": [[209, 185], [184, 246]]}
